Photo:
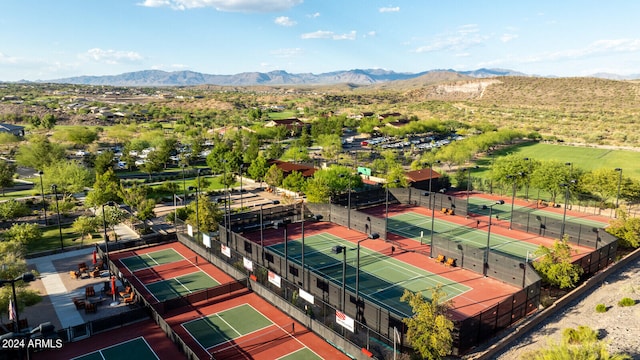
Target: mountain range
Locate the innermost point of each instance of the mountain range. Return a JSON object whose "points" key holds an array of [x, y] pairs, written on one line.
{"points": [[279, 77]]}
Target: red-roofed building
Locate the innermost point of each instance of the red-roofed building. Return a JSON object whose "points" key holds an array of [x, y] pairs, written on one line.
{"points": [[419, 179], [289, 167]]}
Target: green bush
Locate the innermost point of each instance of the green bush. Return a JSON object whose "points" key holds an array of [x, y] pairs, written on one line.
{"points": [[626, 302], [601, 308], [579, 335]]}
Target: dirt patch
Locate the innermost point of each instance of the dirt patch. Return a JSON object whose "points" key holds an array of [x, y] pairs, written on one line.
{"points": [[618, 327]]}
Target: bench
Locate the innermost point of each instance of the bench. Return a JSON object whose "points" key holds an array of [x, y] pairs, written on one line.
{"points": [[440, 258], [450, 262]]}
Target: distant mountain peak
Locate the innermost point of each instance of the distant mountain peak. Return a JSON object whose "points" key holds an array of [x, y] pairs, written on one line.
{"points": [[281, 77]]}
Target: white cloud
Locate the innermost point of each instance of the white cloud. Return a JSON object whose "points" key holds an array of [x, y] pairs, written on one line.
{"points": [[111, 56], [600, 47], [371, 33], [508, 37], [314, 15], [465, 37], [225, 5], [286, 53], [320, 34], [5, 59], [284, 21], [389, 9], [169, 67]]}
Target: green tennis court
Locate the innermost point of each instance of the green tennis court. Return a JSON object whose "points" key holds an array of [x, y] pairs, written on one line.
{"points": [[382, 279], [504, 212], [416, 226], [181, 285], [302, 354], [151, 259], [227, 325], [137, 348]]}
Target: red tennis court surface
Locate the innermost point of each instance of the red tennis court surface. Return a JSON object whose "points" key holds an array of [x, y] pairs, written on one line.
{"points": [[175, 318], [153, 335]]}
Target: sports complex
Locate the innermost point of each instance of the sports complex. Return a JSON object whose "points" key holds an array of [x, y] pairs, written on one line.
{"points": [[307, 281]]}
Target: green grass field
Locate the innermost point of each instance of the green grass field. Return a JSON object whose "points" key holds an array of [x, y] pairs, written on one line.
{"points": [[51, 239], [582, 157]]}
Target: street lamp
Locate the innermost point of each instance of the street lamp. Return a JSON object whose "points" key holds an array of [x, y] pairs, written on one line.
{"points": [[619, 183], [106, 237], [486, 250], [54, 187], [370, 236], [44, 204], [566, 200], [26, 277], [337, 250], [273, 202]]}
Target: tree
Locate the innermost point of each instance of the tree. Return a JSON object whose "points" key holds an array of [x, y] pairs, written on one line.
{"points": [[106, 188], [70, 176], [24, 233], [626, 229], [429, 329], [145, 211], [294, 182], [49, 121], [274, 176], [113, 216], [326, 183], [209, 215], [331, 145], [555, 266], [7, 170], [103, 162], [258, 168], [85, 225], [602, 183], [548, 177], [39, 153]]}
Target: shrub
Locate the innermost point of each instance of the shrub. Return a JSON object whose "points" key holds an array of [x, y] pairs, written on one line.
{"points": [[626, 302], [601, 308], [579, 335]]}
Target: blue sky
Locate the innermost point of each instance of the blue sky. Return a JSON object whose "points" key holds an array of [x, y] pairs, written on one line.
{"points": [[51, 39]]}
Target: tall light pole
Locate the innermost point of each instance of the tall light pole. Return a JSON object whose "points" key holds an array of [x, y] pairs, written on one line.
{"points": [[468, 185], [191, 188], [526, 194], [370, 236], [26, 277], [273, 202], [619, 183], [106, 237], [486, 250], [54, 187], [386, 209], [513, 197], [240, 173], [184, 185], [44, 203], [566, 201], [337, 250], [433, 207], [349, 200]]}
